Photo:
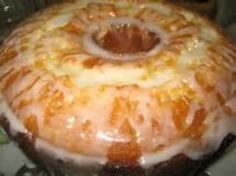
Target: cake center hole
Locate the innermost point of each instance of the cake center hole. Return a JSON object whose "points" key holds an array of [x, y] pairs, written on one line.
{"points": [[126, 39]]}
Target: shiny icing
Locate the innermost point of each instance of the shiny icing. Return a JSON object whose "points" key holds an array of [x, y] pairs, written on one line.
{"points": [[180, 99]]}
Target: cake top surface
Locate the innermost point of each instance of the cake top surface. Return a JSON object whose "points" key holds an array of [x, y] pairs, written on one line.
{"points": [[120, 80]]}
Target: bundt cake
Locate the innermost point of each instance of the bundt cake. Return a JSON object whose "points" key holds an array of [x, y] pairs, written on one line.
{"points": [[118, 87]]}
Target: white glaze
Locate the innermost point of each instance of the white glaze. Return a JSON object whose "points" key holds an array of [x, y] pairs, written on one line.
{"points": [[43, 146], [164, 78], [147, 160]]}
